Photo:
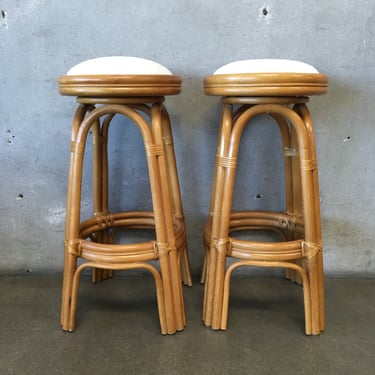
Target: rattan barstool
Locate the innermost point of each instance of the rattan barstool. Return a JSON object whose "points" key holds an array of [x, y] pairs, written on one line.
{"points": [[134, 88], [281, 89]]}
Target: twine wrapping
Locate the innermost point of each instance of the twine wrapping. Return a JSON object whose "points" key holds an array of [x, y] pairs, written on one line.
{"points": [[154, 150], [289, 222], [73, 247], [226, 162], [164, 248], [77, 147], [222, 245], [310, 249], [309, 165], [104, 220]]}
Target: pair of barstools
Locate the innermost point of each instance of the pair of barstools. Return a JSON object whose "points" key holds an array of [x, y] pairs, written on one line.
{"points": [[135, 88]]}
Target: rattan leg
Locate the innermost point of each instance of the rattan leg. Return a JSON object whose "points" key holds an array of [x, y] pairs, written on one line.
{"points": [[69, 269], [301, 193], [297, 192], [289, 153], [72, 216], [70, 231], [206, 244], [175, 192], [212, 312], [100, 185], [305, 114], [285, 265], [110, 267], [167, 219]]}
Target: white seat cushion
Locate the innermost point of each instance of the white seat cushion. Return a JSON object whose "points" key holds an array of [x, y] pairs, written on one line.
{"points": [[118, 65], [266, 66]]}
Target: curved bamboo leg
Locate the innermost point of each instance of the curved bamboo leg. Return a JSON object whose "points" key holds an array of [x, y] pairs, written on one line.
{"points": [[167, 219], [208, 227], [295, 204], [72, 241], [72, 213], [98, 274], [302, 273], [209, 308], [226, 162], [152, 155], [316, 222], [70, 265], [304, 188], [206, 245], [309, 202], [297, 191], [100, 185], [204, 266], [72, 227], [175, 191], [148, 267], [221, 237], [162, 212], [173, 182], [308, 198], [289, 154]]}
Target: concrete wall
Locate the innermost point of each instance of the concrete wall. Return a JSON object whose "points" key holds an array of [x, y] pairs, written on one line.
{"points": [[40, 40]]}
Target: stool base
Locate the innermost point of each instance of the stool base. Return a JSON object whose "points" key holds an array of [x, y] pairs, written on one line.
{"points": [[300, 248], [94, 240]]}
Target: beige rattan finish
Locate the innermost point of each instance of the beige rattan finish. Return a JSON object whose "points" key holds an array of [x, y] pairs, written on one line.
{"points": [[299, 251], [120, 85], [140, 99], [266, 84]]}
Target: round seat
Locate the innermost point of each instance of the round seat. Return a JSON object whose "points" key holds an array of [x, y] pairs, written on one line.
{"points": [[119, 76], [266, 77]]}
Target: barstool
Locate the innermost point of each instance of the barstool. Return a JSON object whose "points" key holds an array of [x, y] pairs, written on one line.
{"points": [[135, 88], [280, 89]]}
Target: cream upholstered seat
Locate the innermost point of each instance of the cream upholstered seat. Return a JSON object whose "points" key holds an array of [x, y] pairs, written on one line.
{"points": [[118, 65], [135, 88], [266, 66], [278, 88], [266, 78]]}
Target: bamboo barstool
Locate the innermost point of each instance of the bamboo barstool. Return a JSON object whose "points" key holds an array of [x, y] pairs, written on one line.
{"points": [[134, 88], [281, 89]]}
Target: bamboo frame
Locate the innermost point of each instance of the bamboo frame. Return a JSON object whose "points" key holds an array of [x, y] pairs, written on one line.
{"points": [[282, 96], [139, 98]]}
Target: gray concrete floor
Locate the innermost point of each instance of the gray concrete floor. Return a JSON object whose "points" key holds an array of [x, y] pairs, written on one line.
{"points": [[118, 332]]}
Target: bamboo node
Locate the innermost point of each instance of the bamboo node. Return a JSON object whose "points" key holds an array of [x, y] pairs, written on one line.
{"points": [[226, 162], [168, 140], [77, 147], [310, 249], [289, 151], [178, 216], [154, 150], [73, 247], [99, 140], [309, 165]]}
